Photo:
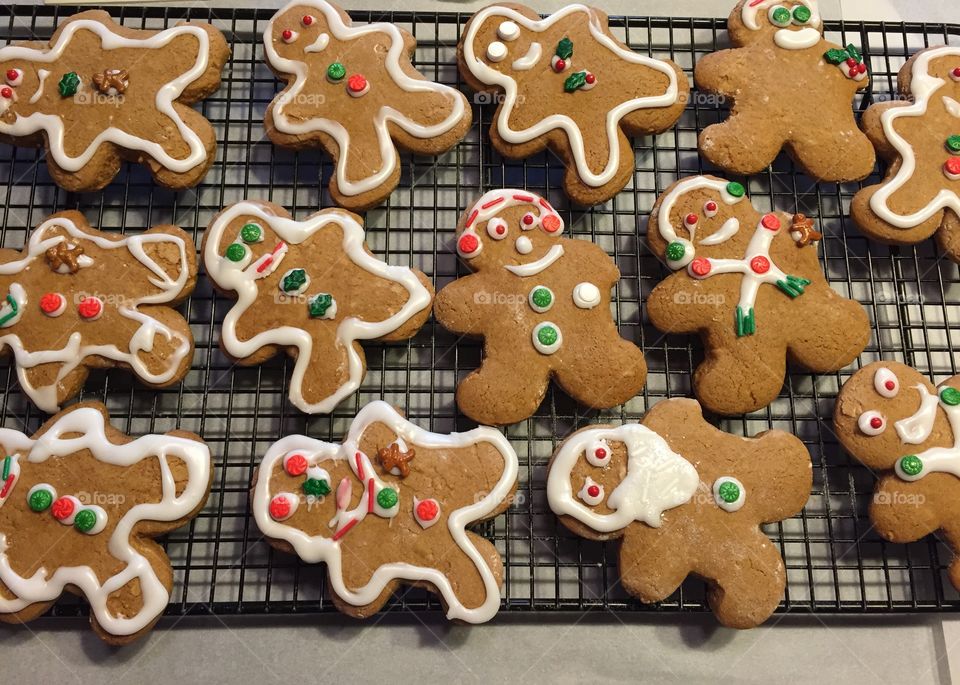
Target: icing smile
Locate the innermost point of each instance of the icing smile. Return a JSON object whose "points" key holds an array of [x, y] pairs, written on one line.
{"points": [[533, 268], [530, 59], [789, 39], [917, 428]]}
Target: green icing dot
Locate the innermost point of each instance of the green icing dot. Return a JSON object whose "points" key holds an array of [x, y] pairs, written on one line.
{"points": [[387, 498], [953, 144], [318, 487], [85, 520], [547, 335], [236, 252], [251, 233], [729, 492], [294, 280], [542, 297], [676, 251], [911, 465], [950, 396], [319, 304], [736, 189], [336, 71], [801, 14], [781, 16], [69, 84], [40, 500]]}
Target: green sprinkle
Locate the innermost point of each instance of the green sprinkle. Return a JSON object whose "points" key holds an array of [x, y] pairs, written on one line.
{"points": [[294, 280], [251, 233], [736, 189], [236, 252], [7, 461], [319, 304], [729, 492], [69, 84], [911, 465], [745, 324], [575, 81], [336, 72], [40, 500], [801, 14], [781, 16], [547, 335], [794, 286], [318, 487], [387, 498], [836, 56], [950, 396], [565, 48], [542, 297], [85, 520], [953, 144], [676, 251]]}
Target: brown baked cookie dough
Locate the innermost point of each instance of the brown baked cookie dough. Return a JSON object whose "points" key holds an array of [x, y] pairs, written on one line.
{"points": [[79, 505], [919, 137], [98, 93], [541, 303], [687, 499], [566, 83], [893, 420], [352, 90], [389, 506], [788, 88], [751, 286]]}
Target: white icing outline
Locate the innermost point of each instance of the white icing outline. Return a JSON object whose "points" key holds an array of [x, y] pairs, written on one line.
{"points": [[387, 114], [73, 352], [318, 548], [915, 429], [649, 463], [489, 76], [53, 125], [91, 425], [244, 282]]}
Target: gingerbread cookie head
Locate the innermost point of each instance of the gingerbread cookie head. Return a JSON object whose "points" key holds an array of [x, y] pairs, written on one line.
{"points": [[390, 506], [687, 499], [354, 91], [77, 298], [310, 288], [100, 92], [788, 24], [78, 504]]}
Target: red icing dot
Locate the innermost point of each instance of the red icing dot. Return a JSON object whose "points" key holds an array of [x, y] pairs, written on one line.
{"points": [[12, 74], [851, 62], [889, 385], [690, 219], [501, 229], [63, 508], [89, 308], [711, 206], [770, 222], [953, 166], [876, 422], [559, 65], [295, 465], [861, 68], [528, 218], [594, 491], [700, 266], [307, 20], [287, 34], [550, 223], [956, 72], [356, 83], [853, 72], [600, 453], [760, 264], [6, 92], [51, 302], [468, 244], [590, 78], [279, 507], [427, 510]]}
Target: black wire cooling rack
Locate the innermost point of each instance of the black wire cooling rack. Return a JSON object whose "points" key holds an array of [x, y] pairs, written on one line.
{"points": [[835, 562]]}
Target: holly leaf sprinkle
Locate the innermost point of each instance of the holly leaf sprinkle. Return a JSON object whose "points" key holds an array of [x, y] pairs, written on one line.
{"points": [[575, 81], [565, 48], [836, 56]]}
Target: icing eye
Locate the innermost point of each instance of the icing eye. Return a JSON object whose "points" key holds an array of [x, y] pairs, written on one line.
{"points": [[529, 221], [729, 493], [886, 383], [496, 51], [317, 483], [90, 308], [710, 209], [598, 454], [497, 229], [508, 31], [551, 223], [591, 493], [801, 15], [14, 77], [690, 221], [469, 245], [780, 16], [308, 20], [41, 496], [289, 36], [871, 423], [283, 505]]}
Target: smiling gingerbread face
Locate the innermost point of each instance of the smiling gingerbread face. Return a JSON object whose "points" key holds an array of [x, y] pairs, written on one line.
{"points": [[791, 25]]}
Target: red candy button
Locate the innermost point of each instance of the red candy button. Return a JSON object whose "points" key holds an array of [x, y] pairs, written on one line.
{"points": [[889, 385], [287, 34], [594, 491], [760, 264], [295, 465], [12, 74], [711, 206], [770, 222], [690, 219], [468, 244], [952, 166], [600, 453], [307, 20], [700, 266], [279, 508], [559, 65], [876, 422], [356, 83], [6, 92], [528, 218], [550, 223], [51, 302], [90, 308], [590, 78], [62, 508], [427, 510]]}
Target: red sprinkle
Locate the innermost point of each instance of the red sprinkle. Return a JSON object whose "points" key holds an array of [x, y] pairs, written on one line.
{"points": [[492, 203], [62, 508], [346, 529], [551, 223], [560, 65], [427, 510], [370, 495], [472, 218], [851, 62], [876, 422], [594, 491], [523, 198], [359, 460], [770, 222], [700, 266], [307, 20], [295, 465], [600, 453], [956, 72], [590, 78], [468, 244], [7, 486], [12, 74], [545, 205], [6, 92], [287, 34], [356, 83], [528, 218], [953, 166], [861, 68], [89, 308], [51, 302], [690, 219], [760, 264]]}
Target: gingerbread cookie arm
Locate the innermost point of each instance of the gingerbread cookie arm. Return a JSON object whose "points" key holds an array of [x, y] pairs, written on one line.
{"points": [[456, 306], [718, 73], [872, 126], [820, 347], [736, 145]]}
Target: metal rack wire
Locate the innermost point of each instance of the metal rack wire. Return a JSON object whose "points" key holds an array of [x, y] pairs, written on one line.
{"points": [[835, 562]]}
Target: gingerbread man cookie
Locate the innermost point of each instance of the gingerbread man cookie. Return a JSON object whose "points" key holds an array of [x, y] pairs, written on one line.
{"points": [[76, 299], [541, 303], [751, 286], [353, 91], [893, 420], [310, 288], [789, 89], [687, 499], [378, 522], [569, 85], [79, 504], [920, 138], [99, 92]]}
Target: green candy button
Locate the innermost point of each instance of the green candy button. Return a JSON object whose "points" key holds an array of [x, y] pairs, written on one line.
{"points": [[953, 144], [542, 297], [336, 72], [950, 396], [251, 233], [801, 14], [676, 251], [236, 252], [736, 189], [387, 498], [781, 16], [40, 500], [547, 335], [911, 465], [85, 520], [729, 492]]}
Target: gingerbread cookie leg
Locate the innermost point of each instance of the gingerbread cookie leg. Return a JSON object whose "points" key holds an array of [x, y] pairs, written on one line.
{"points": [[820, 348], [605, 385], [734, 384], [831, 154], [493, 395], [755, 580]]}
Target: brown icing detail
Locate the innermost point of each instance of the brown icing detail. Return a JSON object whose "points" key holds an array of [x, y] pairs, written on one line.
{"points": [[803, 226], [64, 254], [112, 81], [392, 457]]}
